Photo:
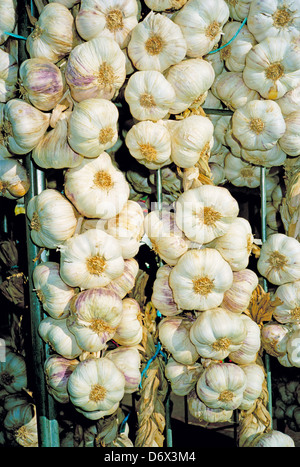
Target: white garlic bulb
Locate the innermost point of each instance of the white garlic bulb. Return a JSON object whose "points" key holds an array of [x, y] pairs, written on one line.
{"points": [[149, 95], [129, 331], [14, 179], [289, 310], [13, 373], [273, 157], [53, 35], [162, 5], [128, 361], [94, 316], [123, 284], [238, 9], [274, 338], [199, 279], [56, 333], [8, 75], [237, 298], [114, 20], [96, 384], [255, 378], [248, 351], [217, 332], [95, 69], [52, 218], [91, 259], [57, 372], [20, 424], [270, 439], [241, 173], [162, 294], [202, 412], [289, 142], [290, 101], [231, 89], [279, 260], [182, 378], [156, 43], [201, 24], [51, 290], [97, 188], [174, 334], [205, 213], [293, 348], [8, 15], [234, 54]]}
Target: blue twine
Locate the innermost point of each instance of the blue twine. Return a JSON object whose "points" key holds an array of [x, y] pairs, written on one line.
{"points": [[225, 45], [157, 352], [123, 424], [16, 36]]}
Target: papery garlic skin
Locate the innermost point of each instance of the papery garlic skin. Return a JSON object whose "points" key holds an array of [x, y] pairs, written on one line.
{"points": [[255, 378], [149, 95], [8, 75], [156, 43], [91, 259], [217, 332], [57, 372], [52, 218], [128, 361], [94, 316], [182, 378], [202, 412], [279, 259], [14, 179], [96, 384], [289, 309], [13, 373], [53, 35], [237, 298], [95, 69], [129, 331], [174, 334], [51, 290], [56, 333], [205, 213], [162, 294], [248, 351], [115, 20], [201, 25], [97, 188], [123, 284]]}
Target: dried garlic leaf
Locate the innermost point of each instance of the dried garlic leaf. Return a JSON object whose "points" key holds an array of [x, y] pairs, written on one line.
{"points": [[260, 307]]}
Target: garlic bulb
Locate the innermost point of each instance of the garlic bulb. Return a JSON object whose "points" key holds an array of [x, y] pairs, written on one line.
{"points": [[149, 95], [94, 316], [162, 294], [150, 144], [241, 173], [20, 424], [55, 332], [42, 83], [156, 43], [57, 372], [8, 15], [217, 332], [231, 89], [202, 24], [174, 334], [238, 297], [114, 20], [238, 9], [273, 157], [279, 260], [289, 142], [274, 338], [199, 279], [52, 218], [162, 5], [273, 19], [97, 188], [255, 378], [128, 361], [14, 179], [289, 310], [13, 373], [24, 126], [182, 378], [91, 259], [234, 54], [123, 284], [93, 127], [270, 439], [201, 412], [290, 101], [206, 212], [53, 35], [96, 69], [8, 75], [96, 384], [293, 348], [222, 385], [53, 293], [191, 139], [129, 331], [248, 351], [53, 151], [97, 414], [272, 68]]}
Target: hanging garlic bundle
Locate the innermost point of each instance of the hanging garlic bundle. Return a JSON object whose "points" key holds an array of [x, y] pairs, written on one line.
{"points": [[234, 54], [62, 341], [94, 316], [53, 150], [57, 372], [95, 69], [199, 279], [128, 361], [54, 33], [96, 384], [21, 425], [289, 309], [272, 68], [97, 188], [205, 213], [23, 126], [258, 125], [238, 297], [14, 179], [149, 95], [182, 378], [8, 75], [93, 127], [114, 20], [248, 351], [162, 294], [150, 144], [13, 373], [191, 139], [51, 290], [201, 25], [202, 412], [174, 334], [231, 89], [279, 259], [156, 43], [52, 218]]}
